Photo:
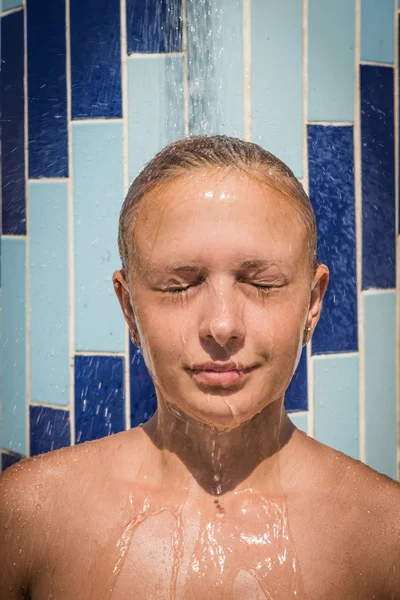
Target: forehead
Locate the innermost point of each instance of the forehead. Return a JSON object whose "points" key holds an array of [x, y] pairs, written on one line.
{"points": [[218, 216]]}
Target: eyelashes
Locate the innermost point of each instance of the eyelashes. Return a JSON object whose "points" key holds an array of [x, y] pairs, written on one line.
{"points": [[182, 290]]}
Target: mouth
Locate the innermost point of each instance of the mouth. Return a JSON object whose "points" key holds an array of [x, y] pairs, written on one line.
{"points": [[220, 375]]}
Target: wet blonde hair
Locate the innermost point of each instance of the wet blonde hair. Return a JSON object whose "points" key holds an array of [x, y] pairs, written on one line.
{"points": [[219, 151]]}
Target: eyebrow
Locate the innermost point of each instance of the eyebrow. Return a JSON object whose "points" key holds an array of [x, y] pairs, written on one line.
{"points": [[258, 263], [247, 264]]}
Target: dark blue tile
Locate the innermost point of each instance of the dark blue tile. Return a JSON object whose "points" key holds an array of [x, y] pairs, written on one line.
{"points": [[50, 429], [154, 25], [296, 394], [95, 59], [143, 394], [47, 90], [9, 459], [12, 124], [331, 179], [99, 397], [398, 81], [378, 177]]}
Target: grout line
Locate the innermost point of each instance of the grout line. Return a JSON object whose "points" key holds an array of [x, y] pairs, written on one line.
{"points": [[305, 183], [371, 63], [55, 406], [335, 355], [100, 120], [137, 55], [12, 11], [99, 353], [374, 291], [10, 236], [49, 180], [27, 249], [71, 265], [397, 245], [332, 123], [185, 45], [10, 452], [125, 151], [247, 87], [359, 249]]}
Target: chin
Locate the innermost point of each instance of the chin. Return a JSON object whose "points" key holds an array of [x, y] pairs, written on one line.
{"points": [[219, 411]]}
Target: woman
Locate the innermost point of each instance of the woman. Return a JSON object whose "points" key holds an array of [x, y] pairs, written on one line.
{"points": [[218, 495]]}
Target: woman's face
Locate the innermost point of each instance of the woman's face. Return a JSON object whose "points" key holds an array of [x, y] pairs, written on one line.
{"points": [[221, 294]]}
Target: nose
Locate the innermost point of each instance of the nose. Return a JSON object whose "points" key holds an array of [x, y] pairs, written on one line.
{"points": [[223, 317]]}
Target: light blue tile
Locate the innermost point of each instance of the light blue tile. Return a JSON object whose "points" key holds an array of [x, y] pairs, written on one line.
{"points": [[215, 60], [155, 107], [336, 419], [13, 325], [9, 4], [277, 89], [49, 340], [377, 30], [380, 381], [331, 60], [300, 419], [98, 196]]}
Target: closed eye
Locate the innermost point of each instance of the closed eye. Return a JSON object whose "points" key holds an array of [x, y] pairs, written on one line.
{"points": [[180, 290], [262, 287]]}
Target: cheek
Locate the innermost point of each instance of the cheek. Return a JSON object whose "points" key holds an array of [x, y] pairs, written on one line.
{"points": [[281, 319]]}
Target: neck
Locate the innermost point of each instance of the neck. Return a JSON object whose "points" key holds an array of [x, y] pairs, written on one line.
{"points": [[222, 461]]}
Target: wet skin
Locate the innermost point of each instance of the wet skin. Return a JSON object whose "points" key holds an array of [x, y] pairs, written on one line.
{"points": [[218, 495], [94, 521]]}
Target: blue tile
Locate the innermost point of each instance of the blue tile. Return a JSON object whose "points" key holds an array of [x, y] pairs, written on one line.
{"points": [[95, 59], [13, 356], [377, 31], [331, 181], [99, 397], [215, 62], [380, 381], [378, 177], [277, 87], [155, 107], [300, 420], [47, 89], [98, 196], [296, 394], [50, 429], [49, 339], [9, 4], [7, 460], [336, 419], [331, 29], [12, 124], [143, 393], [154, 25]]}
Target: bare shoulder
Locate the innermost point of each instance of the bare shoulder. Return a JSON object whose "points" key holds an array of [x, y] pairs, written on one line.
{"points": [[365, 506], [43, 496]]}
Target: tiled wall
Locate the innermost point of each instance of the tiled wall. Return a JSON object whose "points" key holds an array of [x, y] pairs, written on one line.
{"points": [[90, 91]]}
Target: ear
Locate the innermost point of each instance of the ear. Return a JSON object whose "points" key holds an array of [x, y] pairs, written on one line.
{"points": [[320, 283], [122, 291]]}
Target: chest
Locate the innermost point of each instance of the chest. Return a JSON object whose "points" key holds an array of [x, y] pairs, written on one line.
{"points": [[173, 554]]}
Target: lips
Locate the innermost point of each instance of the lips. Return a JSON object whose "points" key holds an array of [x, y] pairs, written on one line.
{"points": [[220, 374]]}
